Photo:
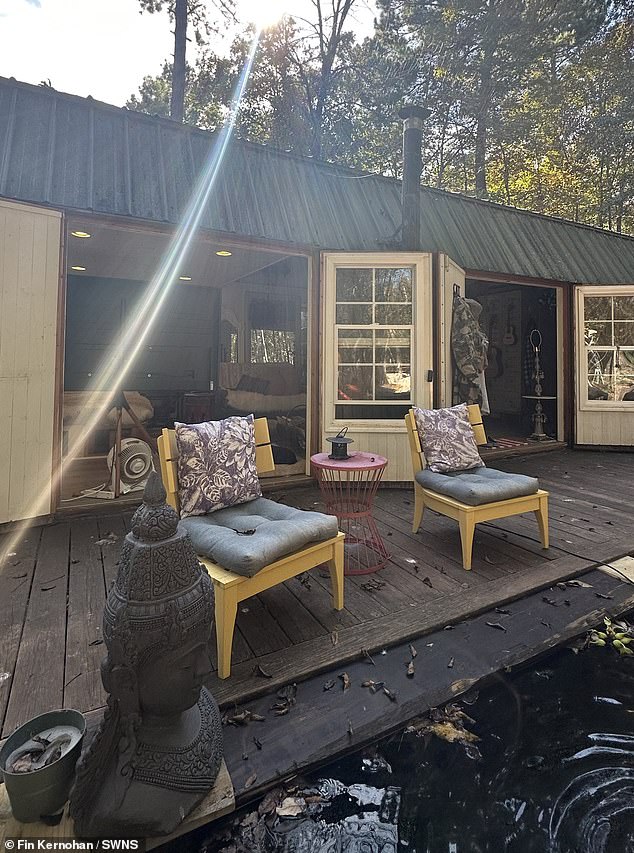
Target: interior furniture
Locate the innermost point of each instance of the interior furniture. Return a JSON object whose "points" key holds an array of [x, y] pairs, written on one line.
{"points": [[473, 496], [197, 407], [231, 588], [349, 487]]}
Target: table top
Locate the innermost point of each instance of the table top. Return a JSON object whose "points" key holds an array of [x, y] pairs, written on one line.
{"points": [[358, 461]]}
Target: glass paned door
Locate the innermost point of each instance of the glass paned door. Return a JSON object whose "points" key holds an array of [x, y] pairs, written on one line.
{"points": [[378, 327]]}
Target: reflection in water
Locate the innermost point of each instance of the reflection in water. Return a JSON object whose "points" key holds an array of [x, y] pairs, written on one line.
{"points": [[556, 774]]}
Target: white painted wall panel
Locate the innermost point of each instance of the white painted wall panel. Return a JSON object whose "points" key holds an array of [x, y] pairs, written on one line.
{"points": [[29, 283]]}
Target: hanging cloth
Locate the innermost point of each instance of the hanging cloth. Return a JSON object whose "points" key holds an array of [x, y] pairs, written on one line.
{"points": [[469, 347]]}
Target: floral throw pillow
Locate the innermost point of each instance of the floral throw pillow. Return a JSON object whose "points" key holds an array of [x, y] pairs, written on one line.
{"points": [[216, 465], [447, 439]]}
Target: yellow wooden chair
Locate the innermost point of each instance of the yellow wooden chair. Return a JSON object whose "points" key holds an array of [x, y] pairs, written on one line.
{"points": [[468, 515], [229, 588]]}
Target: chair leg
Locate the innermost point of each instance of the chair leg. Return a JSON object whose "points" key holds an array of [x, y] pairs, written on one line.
{"points": [[467, 529], [226, 612], [419, 508], [335, 567], [541, 515]]}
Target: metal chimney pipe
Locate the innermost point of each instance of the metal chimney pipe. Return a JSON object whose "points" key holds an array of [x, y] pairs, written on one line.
{"points": [[413, 117]]}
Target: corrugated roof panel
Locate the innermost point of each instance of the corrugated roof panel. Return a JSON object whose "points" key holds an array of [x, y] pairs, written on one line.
{"points": [[178, 170], [110, 191], [29, 147], [74, 152], [73, 156], [147, 191]]}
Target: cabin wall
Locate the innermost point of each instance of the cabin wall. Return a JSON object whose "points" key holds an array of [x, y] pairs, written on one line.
{"points": [[29, 291]]}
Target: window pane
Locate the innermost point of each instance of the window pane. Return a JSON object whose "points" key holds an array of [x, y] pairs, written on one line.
{"points": [[393, 346], [354, 285], [393, 315], [393, 382], [601, 375], [624, 307], [624, 334], [372, 412], [625, 376], [393, 285], [598, 334], [598, 307], [355, 346], [348, 315], [355, 383]]}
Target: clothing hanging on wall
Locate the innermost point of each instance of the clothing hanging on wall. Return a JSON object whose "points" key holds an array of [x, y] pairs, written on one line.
{"points": [[469, 347]]}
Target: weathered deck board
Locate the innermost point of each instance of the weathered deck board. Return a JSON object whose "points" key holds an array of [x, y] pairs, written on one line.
{"points": [[15, 588], [86, 599], [38, 683], [292, 631]]}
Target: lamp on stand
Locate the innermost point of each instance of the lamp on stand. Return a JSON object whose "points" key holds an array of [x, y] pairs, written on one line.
{"points": [[538, 417]]}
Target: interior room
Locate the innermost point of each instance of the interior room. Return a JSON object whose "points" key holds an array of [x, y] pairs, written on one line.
{"points": [[520, 322], [231, 338]]}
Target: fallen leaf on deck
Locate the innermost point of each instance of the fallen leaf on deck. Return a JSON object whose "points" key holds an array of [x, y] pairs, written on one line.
{"points": [[251, 780], [603, 595], [451, 663], [428, 583], [345, 678], [291, 807], [350, 729], [257, 742], [47, 588], [579, 583], [488, 560], [502, 611], [280, 710], [497, 625], [329, 685], [95, 642], [546, 624], [17, 577], [390, 694], [410, 669], [412, 651], [245, 756], [288, 693], [258, 670], [334, 637]]}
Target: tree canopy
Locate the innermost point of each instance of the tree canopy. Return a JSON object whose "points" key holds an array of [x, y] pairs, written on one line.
{"points": [[532, 102]]}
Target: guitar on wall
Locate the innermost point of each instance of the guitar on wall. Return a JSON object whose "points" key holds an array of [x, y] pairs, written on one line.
{"points": [[496, 362], [510, 336]]}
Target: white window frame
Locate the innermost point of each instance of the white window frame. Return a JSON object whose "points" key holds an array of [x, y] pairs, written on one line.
{"points": [[421, 337], [586, 405]]}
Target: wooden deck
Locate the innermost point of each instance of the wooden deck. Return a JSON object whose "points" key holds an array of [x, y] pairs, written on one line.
{"points": [[52, 591]]}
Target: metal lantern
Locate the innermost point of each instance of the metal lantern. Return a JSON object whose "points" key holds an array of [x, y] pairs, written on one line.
{"points": [[340, 445]]}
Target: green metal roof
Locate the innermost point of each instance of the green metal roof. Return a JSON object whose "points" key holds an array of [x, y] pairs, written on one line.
{"points": [[79, 154]]}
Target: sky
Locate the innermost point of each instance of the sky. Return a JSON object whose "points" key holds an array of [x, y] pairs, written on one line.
{"points": [[102, 48]]}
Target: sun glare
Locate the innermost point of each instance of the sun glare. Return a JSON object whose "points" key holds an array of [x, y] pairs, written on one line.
{"points": [[264, 13]]}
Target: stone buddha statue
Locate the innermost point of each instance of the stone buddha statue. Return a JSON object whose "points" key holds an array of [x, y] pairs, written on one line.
{"points": [[158, 749]]}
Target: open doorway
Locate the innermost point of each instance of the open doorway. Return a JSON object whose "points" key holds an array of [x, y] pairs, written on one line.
{"points": [[230, 339], [521, 324]]}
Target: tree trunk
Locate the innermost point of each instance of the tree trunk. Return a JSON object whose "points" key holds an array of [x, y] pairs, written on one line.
{"points": [[482, 119], [177, 105]]}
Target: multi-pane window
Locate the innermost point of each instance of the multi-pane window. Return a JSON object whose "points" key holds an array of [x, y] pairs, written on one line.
{"points": [[608, 330], [373, 334]]}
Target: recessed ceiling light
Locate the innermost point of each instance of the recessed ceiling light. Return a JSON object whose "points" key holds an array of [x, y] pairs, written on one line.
{"points": [[223, 253], [184, 278], [79, 269], [82, 234]]}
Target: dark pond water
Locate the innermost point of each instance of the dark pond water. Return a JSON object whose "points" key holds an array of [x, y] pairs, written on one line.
{"points": [[556, 775]]}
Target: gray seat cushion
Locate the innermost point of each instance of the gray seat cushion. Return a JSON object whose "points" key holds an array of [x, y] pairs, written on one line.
{"points": [[479, 485], [278, 530]]}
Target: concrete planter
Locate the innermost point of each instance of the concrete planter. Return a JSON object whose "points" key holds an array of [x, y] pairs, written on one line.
{"points": [[44, 791]]}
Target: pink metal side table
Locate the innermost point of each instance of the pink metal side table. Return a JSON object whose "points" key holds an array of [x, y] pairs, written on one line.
{"points": [[349, 487]]}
